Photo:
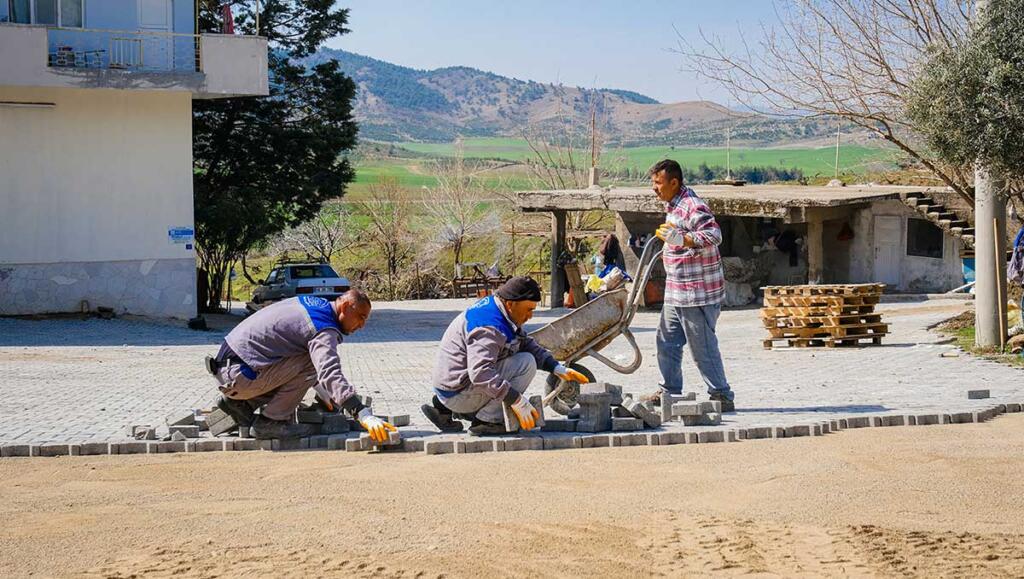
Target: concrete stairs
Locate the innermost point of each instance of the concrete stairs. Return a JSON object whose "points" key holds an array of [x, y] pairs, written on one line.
{"points": [[943, 217]]}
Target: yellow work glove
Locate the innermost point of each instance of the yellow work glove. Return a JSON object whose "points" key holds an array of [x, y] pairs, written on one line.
{"points": [[670, 234], [377, 428], [570, 375], [525, 412]]}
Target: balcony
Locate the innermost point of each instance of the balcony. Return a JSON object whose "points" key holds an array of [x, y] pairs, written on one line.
{"points": [[207, 65]]}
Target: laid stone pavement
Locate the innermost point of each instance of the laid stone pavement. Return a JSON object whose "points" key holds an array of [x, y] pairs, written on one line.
{"points": [[85, 381]]}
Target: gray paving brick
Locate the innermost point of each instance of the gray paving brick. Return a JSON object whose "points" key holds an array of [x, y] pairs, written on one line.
{"points": [[604, 388], [11, 450], [686, 409], [560, 425], [220, 422], [318, 441], [960, 417], [334, 424], [895, 420], [472, 446], [336, 441], [649, 417], [96, 448], [593, 440], [58, 449], [413, 444], [553, 442], [798, 430], [309, 416], [211, 445], [910, 420], [135, 447], [757, 432], [244, 444], [858, 422], [1013, 407], [627, 424], [538, 403], [977, 394], [181, 418], [709, 436], [927, 419], [628, 440], [167, 447], [671, 438], [186, 431], [439, 447], [395, 419]]}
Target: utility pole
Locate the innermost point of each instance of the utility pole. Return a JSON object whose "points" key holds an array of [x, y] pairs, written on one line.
{"points": [[728, 153], [989, 255], [838, 130]]}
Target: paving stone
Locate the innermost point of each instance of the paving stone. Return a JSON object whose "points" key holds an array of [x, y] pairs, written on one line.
{"points": [[181, 418], [834, 425], [186, 431], [220, 422], [211, 445], [558, 442], [358, 444], [309, 416], [395, 419], [336, 441], [143, 432], [394, 437], [413, 444], [334, 424], [167, 447], [732, 436], [58, 449], [858, 422], [265, 444], [778, 432], [11, 450], [709, 406], [843, 424], [708, 436], [178, 437], [826, 427], [473, 446], [642, 412], [96, 448], [201, 423], [627, 424], [910, 420], [799, 430], [927, 419], [509, 417], [816, 430], [1013, 407], [671, 438], [711, 419], [560, 425], [439, 446], [894, 420], [365, 400], [628, 440], [593, 441], [757, 432], [595, 413], [960, 417], [977, 394], [523, 443], [877, 421], [245, 432], [285, 444], [135, 447], [538, 403], [1000, 409], [318, 441], [686, 409], [984, 415], [243, 444], [604, 388]]}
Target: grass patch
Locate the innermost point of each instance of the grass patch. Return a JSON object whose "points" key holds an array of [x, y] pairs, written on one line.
{"points": [[965, 340]]}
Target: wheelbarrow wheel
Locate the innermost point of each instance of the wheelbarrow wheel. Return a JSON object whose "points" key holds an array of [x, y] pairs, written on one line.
{"points": [[566, 399]]}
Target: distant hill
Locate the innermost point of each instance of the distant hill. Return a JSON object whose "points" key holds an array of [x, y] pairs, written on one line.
{"points": [[396, 103]]}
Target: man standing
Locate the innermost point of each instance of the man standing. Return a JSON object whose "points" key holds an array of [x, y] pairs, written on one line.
{"points": [[275, 355], [694, 287], [486, 359]]}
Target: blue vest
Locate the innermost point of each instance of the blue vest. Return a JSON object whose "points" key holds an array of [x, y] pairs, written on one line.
{"points": [[486, 314], [320, 313]]}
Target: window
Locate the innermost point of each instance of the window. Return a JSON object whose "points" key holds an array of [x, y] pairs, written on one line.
{"points": [[66, 13], [924, 239], [312, 271], [272, 278]]}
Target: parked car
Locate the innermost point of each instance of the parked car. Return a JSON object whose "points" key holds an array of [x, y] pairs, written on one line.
{"points": [[289, 280]]}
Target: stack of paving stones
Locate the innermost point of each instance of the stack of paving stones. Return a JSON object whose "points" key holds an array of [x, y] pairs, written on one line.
{"points": [[624, 419], [823, 315]]}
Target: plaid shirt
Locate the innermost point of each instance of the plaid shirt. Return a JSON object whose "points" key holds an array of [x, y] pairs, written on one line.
{"points": [[694, 275]]}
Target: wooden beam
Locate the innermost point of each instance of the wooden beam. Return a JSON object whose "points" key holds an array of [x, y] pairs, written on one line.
{"points": [[557, 247]]}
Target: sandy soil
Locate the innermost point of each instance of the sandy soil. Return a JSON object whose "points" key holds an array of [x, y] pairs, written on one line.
{"points": [[924, 501]]}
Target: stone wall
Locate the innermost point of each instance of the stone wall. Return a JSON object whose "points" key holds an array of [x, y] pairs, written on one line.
{"points": [[163, 288]]}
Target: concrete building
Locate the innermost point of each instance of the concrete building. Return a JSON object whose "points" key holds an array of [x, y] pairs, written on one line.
{"points": [[96, 150], [913, 239]]}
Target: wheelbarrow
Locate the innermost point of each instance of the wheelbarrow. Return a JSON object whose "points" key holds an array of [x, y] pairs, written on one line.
{"points": [[586, 330]]}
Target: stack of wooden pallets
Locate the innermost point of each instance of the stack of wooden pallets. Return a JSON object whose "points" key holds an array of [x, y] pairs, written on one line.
{"points": [[823, 315]]}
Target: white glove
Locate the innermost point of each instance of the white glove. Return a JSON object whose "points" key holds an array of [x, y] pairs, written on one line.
{"points": [[671, 235], [377, 428], [525, 412]]}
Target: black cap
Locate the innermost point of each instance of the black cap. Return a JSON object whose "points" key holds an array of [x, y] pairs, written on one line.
{"points": [[520, 288]]}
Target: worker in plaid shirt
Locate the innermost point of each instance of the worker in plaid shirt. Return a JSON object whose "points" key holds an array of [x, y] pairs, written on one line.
{"points": [[694, 287]]}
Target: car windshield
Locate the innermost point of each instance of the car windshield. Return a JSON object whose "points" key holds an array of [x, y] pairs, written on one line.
{"points": [[312, 271]]}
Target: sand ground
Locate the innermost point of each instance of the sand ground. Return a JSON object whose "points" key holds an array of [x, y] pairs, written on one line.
{"points": [[912, 501]]}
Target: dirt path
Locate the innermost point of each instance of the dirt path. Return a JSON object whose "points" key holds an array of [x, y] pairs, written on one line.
{"points": [[923, 501]]}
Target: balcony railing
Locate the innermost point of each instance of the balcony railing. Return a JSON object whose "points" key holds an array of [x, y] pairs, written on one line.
{"points": [[124, 50]]}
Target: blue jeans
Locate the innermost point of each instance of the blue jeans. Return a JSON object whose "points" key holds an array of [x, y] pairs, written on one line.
{"points": [[694, 325]]}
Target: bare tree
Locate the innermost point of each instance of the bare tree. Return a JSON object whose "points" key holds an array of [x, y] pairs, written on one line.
{"points": [[388, 211], [328, 233], [851, 59], [455, 207], [564, 150]]}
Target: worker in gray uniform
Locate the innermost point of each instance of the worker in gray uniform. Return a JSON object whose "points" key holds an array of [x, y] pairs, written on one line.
{"points": [[276, 355], [486, 359]]}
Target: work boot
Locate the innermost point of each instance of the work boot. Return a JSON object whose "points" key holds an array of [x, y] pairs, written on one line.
{"points": [[480, 428], [441, 417], [240, 410], [264, 428], [727, 405]]}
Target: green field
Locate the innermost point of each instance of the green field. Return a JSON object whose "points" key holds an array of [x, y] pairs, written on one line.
{"points": [[852, 158]]}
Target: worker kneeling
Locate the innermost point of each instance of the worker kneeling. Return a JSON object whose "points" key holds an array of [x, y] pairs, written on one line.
{"points": [[486, 359], [276, 355]]}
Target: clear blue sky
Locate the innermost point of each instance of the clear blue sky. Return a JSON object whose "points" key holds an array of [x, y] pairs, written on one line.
{"points": [[596, 43]]}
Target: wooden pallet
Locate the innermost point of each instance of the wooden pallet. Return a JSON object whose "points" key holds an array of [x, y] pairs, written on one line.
{"points": [[827, 289], [819, 301], [839, 310], [819, 321], [847, 342]]}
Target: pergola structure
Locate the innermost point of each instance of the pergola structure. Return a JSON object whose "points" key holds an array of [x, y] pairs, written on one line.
{"points": [[638, 210]]}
